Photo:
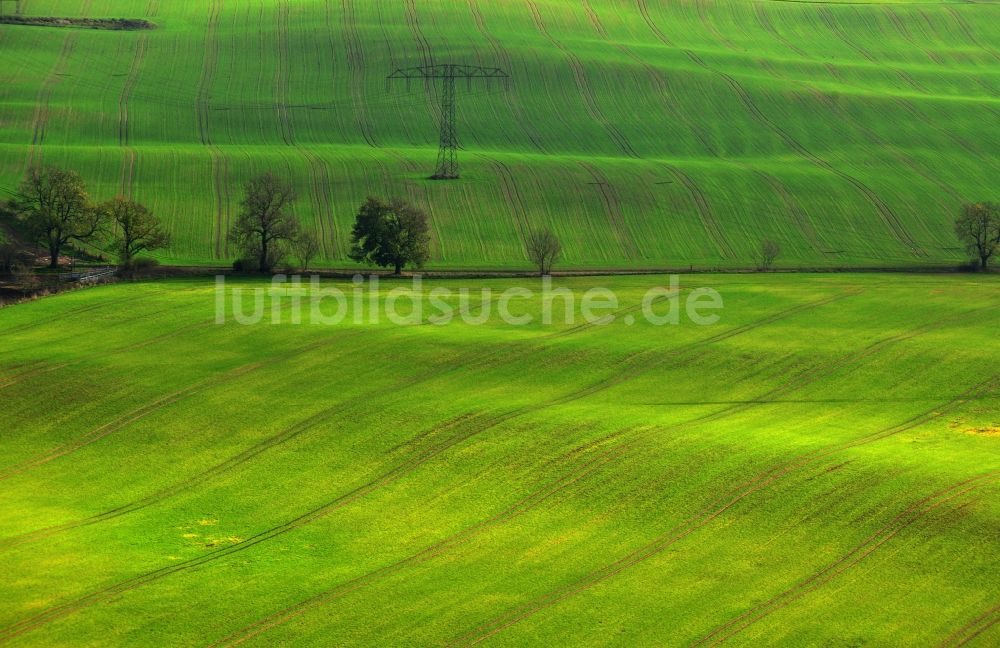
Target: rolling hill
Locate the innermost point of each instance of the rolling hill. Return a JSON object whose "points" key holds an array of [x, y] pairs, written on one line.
{"points": [[819, 467], [646, 134]]}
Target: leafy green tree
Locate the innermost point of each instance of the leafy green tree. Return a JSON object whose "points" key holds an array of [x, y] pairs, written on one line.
{"points": [[390, 234], [978, 227], [138, 228], [264, 222], [56, 209]]}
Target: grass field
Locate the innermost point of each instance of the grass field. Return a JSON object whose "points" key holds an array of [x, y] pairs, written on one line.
{"points": [[647, 134], [819, 467]]}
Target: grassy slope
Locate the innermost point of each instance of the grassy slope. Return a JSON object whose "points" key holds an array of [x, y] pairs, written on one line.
{"points": [[849, 133], [419, 485]]}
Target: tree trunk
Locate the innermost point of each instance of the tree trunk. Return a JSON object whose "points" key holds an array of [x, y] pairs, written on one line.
{"points": [[262, 263], [53, 255], [984, 259], [399, 268]]}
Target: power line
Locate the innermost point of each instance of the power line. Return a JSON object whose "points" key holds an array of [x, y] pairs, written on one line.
{"points": [[447, 162]]}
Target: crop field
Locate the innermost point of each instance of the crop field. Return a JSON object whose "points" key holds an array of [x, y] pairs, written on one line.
{"points": [[820, 466], [646, 134]]}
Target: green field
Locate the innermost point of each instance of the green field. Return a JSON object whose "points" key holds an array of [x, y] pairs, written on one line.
{"points": [[646, 134], [819, 467]]}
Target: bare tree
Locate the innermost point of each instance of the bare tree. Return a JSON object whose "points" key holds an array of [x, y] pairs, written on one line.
{"points": [[138, 229], [264, 222], [306, 247], [768, 252], [56, 209], [543, 249], [978, 227]]}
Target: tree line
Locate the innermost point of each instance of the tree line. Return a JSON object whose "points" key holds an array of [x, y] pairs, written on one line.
{"points": [[56, 211]]}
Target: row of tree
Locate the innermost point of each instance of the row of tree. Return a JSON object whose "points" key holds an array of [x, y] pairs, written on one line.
{"points": [[56, 211]]}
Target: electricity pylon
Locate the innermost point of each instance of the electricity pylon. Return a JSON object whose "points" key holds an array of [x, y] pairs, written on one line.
{"points": [[447, 163]]}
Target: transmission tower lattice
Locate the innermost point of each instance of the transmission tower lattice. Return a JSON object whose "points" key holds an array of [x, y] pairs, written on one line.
{"points": [[447, 162]]}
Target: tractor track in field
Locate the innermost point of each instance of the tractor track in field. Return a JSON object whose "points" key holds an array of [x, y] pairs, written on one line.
{"points": [[709, 514], [973, 628], [356, 72], [131, 80], [583, 85], [890, 218], [80, 310], [712, 227], [34, 373], [613, 210], [275, 440], [966, 30], [764, 20], [806, 378], [794, 207], [903, 30], [319, 173], [152, 8], [914, 513], [40, 119], [423, 45], [159, 403], [524, 505], [710, 27], [127, 179], [507, 64], [219, 161], [281, 74], [827, 17], [705, 212], [627, 368], [511, 194]]}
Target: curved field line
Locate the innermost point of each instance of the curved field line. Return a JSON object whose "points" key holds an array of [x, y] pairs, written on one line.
{"points": [[710, 27], [889, 217], [705, 212], [79, 310], [967, 31], [522, 506], [33, 373], [613, 210], [281, 437], [356, 72], [281, 76], [127, 179], [128, 418], [912, 514], [131, 79], [794, 207], [830, 20], [511, 194], [627, 368], [764, 20], [505, 62], [319, 174], [712, 227], [220, 164], [41, 117], [803, 380], [423, 45], [886, 212], [583, 85], [973, 628], [710, 513], [152, 8]]}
